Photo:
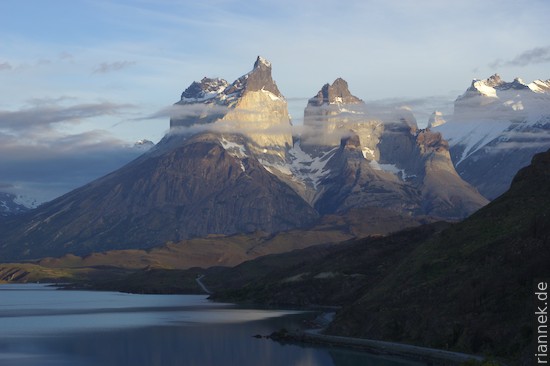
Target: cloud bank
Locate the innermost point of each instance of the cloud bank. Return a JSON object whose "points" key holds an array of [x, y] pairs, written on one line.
{"points": [[42, 161], [533, 56]]}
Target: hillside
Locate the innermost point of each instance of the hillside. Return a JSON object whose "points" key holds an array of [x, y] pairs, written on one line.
{"points": [[464, 287]]}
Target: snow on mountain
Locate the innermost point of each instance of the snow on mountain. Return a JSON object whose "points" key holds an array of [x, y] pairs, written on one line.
{"points": [[252, 106], [307, 168], [436, 119], [540, 86], [11, 204], [492, 121], [144, 144]]}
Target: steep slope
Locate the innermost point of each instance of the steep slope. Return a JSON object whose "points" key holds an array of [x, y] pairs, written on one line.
{"points": [[367, 161], [195, 189], [465, 286], [471, 286], [495, 130]]}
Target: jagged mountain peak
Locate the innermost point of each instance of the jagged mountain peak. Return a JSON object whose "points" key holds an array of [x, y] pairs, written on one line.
{"points": [[337, 93], [204, 90], [493, 80], [258, 79], [492, 85], [436, 119], [262, 62], [252, 106], [219, 91], [517, 84]]}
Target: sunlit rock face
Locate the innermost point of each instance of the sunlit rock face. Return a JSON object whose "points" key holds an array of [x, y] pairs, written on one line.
{"points": [[366, 160], [252, 106], [335, 113]]}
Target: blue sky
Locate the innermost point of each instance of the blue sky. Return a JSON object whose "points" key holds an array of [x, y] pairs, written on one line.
{"points": [[83, 74]]}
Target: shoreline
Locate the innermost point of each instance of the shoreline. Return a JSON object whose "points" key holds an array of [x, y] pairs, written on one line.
{"points": [[431, 356]]}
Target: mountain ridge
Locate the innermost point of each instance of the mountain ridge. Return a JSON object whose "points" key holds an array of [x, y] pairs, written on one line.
{"points": [[230, 164]]}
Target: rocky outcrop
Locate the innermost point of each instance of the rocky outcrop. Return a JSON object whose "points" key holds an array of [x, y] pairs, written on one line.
{"points": [[380, 162], [436, 119], [252, 106]]}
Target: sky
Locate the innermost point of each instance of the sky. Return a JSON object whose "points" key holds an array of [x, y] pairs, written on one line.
{"points": [[81, 80]]}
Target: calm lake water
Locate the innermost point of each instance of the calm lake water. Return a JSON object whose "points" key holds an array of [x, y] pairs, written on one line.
{"points": [[41, 326]]}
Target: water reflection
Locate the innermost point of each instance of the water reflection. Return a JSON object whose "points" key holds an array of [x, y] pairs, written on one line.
{"points": [[41, 326]]}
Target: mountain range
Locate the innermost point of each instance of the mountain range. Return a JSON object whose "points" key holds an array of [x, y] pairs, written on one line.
{"points": [[495, 130], [230, 164], [232, 182], [466, 286]]}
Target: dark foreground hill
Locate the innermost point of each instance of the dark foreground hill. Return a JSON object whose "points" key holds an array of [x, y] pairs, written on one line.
{"points": [[465, 287]]}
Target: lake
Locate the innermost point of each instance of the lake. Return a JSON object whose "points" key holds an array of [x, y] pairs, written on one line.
{"points": [[40, 325]]}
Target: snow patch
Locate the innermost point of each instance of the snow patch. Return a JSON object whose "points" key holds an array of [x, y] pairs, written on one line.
{"points": [[484, 89], [270, 95], [236, 150], [390, 168], [29, 202], [264, 61], [306, 168], [368, 153]]}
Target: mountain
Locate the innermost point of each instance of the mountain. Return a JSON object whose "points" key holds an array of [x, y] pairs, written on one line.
{"points": [[143, 144], [188, 185], [231, 165], [363, 160], [10, 204], [252, 106], [495, 130], [466, 286]]}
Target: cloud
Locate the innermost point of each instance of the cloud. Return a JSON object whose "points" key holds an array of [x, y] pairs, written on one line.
{"points": [[56, 164], [49, 100], [41, 160], [536, 55], [181, 111], [42, 116], [106, 67], [5, 66]]}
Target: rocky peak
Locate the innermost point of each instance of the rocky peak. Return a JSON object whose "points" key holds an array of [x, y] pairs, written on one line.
{"points": [[431, 141], [258, 79], [436, 119], [351, 142], [517, 84], [494, 80], [337, 93], [216, 98], [207, 88]]}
